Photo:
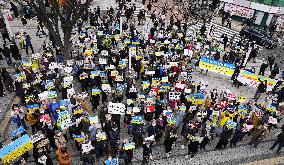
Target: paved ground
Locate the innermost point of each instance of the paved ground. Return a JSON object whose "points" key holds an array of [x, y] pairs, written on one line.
{"points": [[241, 154]]}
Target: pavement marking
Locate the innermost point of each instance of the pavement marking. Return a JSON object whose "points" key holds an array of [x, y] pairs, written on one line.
{"points": [[271, 161]]}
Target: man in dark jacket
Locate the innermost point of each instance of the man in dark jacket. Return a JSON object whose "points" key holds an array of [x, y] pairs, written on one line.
{"points": [[262, 68], [260, 89], [279, 141], [6, 52]]}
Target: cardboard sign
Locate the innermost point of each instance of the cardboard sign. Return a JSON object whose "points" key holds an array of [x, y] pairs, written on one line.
{"points": [[94, 120], [78, 138], [45, 118], [114, 73], [129, 146], [149, 72], [135, 109], [102, 61], [149, 108], [196, 99], [64, 120], [64, 104], [231, 96], [121, 86], [106, 88], [52, 94], [104, 53], [241, 99], [165, 79], [33, 107], [37, 137], [68, 70], [96, 91], [174, 95], [224, 103], [192, 108], [137, 120], [119, 78], [87, 147], [16, 149], [101, 136], [50, 84], [116, 108]]}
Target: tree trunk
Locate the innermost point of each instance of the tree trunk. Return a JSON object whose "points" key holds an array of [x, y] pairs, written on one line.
{"points": [[66, 46]]}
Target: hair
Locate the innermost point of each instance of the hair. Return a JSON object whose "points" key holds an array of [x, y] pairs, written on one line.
{"points": [[64, 149]]}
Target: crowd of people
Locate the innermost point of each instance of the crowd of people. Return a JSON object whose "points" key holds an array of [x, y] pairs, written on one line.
{"points": [[121, 81]]}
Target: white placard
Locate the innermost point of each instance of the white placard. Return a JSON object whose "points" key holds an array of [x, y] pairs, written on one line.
{"points": [[106, 87], [52, 65], [174, 95], [87, 147], [68, 69], [150, 72], [102, 61], [104, 53], [116, 108]]}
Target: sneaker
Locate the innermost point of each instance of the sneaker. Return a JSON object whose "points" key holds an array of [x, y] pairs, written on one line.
{"points": [[187, 156], [190, 159], [168, 155]]}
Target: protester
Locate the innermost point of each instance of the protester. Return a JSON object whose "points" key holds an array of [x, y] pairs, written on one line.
{"points": [[148, 80]]}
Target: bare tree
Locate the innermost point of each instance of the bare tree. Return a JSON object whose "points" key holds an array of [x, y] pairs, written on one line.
{"points": [[62, 14]]}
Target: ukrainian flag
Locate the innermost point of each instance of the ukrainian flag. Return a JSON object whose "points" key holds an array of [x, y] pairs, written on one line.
{"points": [[136, 120], [146, 83], [171, 120], [96, 91], [129, 146], [78, 138], [182, 108], [166, 86]]}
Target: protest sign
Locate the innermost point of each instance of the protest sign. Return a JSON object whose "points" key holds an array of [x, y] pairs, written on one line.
{"points": [[101, 136], [78, 110], [32, 107], [87, 147], [252, 79], [102, 61], [64, 120], [51, 94], [149, 108], [196, 99], [116, 108], [182, 108], [106, 88], [93, 120], [16, 149], [96, 91], [174, 95], [78, 138], [45, 118], [64, 104], [129, 146], [50, 84], [136, 120], [135, 109], [216, 66], [18, 131]]}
